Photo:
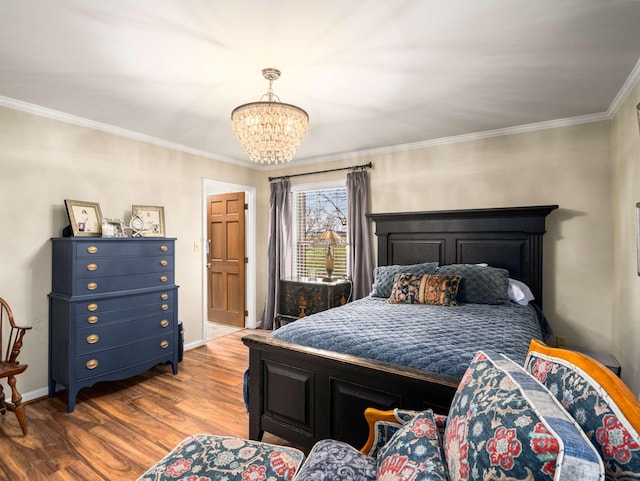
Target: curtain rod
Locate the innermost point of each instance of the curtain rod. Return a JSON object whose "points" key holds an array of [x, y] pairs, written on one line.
{"points": [[353, 167]]}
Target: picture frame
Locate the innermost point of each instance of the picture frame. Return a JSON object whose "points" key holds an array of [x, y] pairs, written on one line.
{"points": [[153, 218], [85, 218], [112, 227]]}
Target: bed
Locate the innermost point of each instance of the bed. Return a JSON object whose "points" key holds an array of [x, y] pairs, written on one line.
{"points": [[305, 391]]}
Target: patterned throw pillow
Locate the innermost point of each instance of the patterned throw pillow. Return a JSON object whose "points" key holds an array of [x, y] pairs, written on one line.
{"points": [[333, 460], [383, 276], [413, 453], [433, 289], [503, 424], [205, 456], [480, 284], [599, 414]]}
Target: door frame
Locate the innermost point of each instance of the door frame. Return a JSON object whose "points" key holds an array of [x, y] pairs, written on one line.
{"points": [[213, 187]]}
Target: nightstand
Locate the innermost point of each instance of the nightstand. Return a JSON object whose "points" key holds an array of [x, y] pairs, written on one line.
{"points": [[603, 358], [299, 297]]}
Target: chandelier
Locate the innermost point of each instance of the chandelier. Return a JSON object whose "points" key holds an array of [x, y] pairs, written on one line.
{"points": [[270, 131]]}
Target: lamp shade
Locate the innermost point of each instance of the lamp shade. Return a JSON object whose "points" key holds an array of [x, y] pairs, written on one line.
{"points": [[330, 237]]}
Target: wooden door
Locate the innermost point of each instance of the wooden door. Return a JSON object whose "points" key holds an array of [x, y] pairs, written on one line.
{"points": [[226, 258]]}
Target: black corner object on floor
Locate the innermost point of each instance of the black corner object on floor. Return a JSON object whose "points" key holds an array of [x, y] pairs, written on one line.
{"points": [[180, 341]]}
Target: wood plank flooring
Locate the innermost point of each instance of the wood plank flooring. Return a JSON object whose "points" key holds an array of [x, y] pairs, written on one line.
{"points": [[120, 429]]}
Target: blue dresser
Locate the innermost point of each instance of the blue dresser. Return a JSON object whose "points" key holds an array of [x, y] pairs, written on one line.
{"points": [[113, 310]]}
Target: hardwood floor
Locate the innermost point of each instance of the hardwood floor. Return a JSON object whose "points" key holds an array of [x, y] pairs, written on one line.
{"points": [[119, 429]]}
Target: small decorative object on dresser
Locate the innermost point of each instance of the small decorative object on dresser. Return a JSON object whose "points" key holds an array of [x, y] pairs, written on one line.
{"points": [[85, 219], [152, 220], [300, 297], [113, 310], [112, 228]]}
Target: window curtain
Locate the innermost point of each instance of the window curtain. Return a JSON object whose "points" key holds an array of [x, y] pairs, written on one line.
{"points": [[279, 245], [359, 254]]}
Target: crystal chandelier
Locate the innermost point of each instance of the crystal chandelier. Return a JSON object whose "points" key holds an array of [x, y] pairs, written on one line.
{"points": [[270, 131]]}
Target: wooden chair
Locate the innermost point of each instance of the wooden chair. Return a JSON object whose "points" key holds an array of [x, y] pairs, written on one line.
{"points": [[9, 366]]}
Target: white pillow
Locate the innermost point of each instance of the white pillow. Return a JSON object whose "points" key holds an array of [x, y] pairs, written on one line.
{"points": [[519, 292]]}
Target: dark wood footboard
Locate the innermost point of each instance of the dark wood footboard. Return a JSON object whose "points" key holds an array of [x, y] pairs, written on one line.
{"points": [[304, 394]]}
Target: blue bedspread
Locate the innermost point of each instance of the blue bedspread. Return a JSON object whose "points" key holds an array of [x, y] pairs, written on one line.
{"points": [[432, 338]]}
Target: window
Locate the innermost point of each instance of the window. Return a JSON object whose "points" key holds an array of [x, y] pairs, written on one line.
{"points": [[315, 211]]}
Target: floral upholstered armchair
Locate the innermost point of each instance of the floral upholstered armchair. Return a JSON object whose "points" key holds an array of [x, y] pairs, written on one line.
{"points": [[563, 417]]}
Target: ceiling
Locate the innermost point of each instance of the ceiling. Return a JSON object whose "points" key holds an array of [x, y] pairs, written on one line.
{"points": [[370, 73]]}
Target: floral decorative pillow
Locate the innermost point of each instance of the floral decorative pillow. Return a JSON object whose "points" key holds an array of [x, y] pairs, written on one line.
{"points": [[383, 276], [413, 452], [503, 424], [597, 412], [433, 289], [331, 460]]}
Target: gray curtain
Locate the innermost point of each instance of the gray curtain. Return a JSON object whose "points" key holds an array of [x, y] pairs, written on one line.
{"points": [[359, 254], [278, 247]]}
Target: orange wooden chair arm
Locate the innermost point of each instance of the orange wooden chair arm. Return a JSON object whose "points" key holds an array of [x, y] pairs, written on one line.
{"points": [[373, 415]]}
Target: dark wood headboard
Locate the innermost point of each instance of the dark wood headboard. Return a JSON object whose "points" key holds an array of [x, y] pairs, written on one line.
{"points": [[510, 238]]}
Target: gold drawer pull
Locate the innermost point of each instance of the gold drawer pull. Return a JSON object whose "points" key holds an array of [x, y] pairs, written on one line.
{"points": [[164, 307], [92, 249], [92, 319], [164, 322], [163, 278], [164, 262], [92, 338], [92, 286], [92, 267], [92, 307], [164, 344], [92, 364], [164, 248], [164, 296]]}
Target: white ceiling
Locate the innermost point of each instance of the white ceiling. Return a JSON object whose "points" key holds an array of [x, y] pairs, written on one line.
{"points": [[370, 73]]}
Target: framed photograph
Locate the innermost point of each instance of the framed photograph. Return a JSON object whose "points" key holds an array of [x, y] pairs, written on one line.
{"points": [[152, 219], [112, 228], [85, 218]]}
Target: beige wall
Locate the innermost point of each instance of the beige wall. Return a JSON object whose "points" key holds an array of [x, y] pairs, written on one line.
{"points": [[568, 166], [625, 161], [44, 161]]}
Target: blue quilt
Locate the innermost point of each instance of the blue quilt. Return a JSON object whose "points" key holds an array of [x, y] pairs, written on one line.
{"points": [[432, 338]]}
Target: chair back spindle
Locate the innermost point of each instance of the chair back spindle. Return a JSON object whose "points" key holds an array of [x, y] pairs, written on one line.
{"points": [[9, 365]]}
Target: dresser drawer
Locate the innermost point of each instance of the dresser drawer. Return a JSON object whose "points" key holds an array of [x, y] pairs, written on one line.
{"points": [[109, 360], [113, 310], [103, 285], [123, 248], [107, 266], [98, 337], [104, 311]]}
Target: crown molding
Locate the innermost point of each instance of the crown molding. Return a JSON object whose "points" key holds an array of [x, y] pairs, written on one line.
{"points": [[111, 129], [626, 89], [551, 124]]}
